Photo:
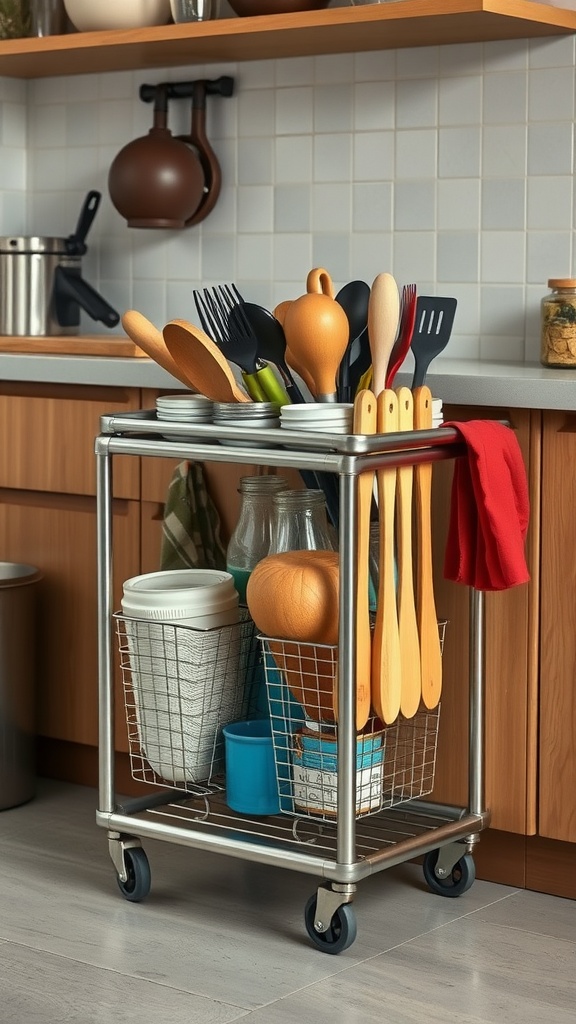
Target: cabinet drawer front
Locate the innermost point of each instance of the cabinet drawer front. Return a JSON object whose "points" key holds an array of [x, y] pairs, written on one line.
{"points": [[48, 436]]}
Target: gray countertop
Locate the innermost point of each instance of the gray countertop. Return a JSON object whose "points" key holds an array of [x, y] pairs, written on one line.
{"points": [[463, 382]]}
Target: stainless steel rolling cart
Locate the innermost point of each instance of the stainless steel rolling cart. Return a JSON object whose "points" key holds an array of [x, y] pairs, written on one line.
{"points": [[347, 838]]}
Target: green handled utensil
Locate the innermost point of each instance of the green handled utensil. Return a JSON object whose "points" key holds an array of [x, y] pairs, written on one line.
{"points": [[222, 316]]}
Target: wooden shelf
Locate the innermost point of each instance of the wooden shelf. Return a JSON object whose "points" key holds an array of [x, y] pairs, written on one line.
{"points": [[343, 30]]}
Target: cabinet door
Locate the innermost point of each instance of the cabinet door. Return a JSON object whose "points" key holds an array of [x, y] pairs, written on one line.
{"points": [[558, 629], [57, 533], [48, 433], [510, 659]]}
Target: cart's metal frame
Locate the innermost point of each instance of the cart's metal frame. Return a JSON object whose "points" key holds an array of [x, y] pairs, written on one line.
{"points": [[357, 848]]}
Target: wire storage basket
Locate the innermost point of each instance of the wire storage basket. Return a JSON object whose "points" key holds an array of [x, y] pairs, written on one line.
{"points": [[181, 686], [394, 763]]}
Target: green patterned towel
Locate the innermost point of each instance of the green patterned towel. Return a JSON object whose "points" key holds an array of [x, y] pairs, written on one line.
{"points": [[191, 527]]}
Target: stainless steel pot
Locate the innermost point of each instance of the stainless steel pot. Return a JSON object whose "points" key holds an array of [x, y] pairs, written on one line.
{"points": [[41, 284]]}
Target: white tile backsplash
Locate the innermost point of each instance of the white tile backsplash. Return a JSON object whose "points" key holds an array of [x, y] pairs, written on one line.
{"points": [[504, 97], [504, 204], [551, 148], [451, 166], [294, 110]]}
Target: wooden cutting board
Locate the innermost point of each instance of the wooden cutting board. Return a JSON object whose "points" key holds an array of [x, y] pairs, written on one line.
{"points": [[73, 345]]}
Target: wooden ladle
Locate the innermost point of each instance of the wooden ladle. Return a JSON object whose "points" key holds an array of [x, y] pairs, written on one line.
{"points": [[150, 340], [201, 362], [316, 329]]}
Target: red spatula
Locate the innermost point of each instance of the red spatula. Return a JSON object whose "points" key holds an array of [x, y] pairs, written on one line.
{"points": [[405, 332]]}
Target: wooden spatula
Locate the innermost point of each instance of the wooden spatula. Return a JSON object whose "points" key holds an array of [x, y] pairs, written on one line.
{"points": [[201, 362], [150, 340], [386, 680], [364, 423], [430, 651], [407, 623]]}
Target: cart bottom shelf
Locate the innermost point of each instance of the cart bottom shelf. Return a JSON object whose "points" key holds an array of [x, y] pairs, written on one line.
{"points": [[382, 840]]}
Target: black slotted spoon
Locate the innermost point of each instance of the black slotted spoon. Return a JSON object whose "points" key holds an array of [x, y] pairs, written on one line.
{"points": [[432, 330]]}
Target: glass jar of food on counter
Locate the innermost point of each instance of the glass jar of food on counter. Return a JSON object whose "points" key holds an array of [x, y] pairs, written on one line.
{"points": [[558, 323]]}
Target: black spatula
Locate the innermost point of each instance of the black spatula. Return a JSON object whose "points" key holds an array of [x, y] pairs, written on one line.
{"points": [[432, 330]]}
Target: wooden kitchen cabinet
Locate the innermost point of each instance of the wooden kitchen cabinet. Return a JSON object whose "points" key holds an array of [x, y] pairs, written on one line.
{"points": [[57, 534], [48, 433], [511, 658], [557, 750], [48, 519]]}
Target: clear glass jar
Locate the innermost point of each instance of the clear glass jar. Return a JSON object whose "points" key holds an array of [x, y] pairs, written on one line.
{"points": [[300, 522], [250, 540], [558, 324]]}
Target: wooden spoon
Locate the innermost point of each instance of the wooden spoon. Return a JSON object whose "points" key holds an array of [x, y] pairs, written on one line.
{"points": [[364, 423], [150, 340], [201, 362], [407, 623], [316, 329], [386, 681], [430, 650], [383, 317]]}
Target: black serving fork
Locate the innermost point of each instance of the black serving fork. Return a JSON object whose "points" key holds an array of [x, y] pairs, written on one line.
{"points": [[237, 341]]}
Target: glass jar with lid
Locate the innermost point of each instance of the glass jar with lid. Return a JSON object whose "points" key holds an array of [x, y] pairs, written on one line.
{"points": [[558, 324], [300, 522], [250, 540]]}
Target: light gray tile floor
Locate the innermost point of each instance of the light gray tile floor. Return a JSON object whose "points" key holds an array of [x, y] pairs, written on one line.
{"points": [[220, 939]]}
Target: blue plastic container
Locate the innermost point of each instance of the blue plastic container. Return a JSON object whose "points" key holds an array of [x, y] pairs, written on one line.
{"points": [[251, 786]]}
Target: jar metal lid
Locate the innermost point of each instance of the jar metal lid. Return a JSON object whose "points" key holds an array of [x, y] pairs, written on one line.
{"points": [[562, 282]]}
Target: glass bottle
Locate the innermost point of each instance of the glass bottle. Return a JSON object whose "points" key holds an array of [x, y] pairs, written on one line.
{"points": [[300, 522], [250, 540], [558, 324]]}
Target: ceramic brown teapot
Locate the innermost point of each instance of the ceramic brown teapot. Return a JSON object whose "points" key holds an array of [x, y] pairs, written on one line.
{"points": [[157, 181]]}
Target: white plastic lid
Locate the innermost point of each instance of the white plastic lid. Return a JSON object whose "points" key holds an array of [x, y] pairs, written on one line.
{"points": [[179, 593]]}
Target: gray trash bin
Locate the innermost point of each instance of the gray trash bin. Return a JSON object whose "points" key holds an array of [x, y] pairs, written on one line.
{"points": [[18, 644]]}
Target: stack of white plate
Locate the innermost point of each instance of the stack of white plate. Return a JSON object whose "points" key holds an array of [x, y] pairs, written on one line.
{"points": [[437, 415], [183, 409], [253, 415], [326, 417]]}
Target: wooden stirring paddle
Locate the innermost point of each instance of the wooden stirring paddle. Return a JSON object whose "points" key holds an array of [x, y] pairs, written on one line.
{"points": [[201, 362], [383, 318], [407, 623], [150, 340], [364, 423], [430, 650], [386, 680]]}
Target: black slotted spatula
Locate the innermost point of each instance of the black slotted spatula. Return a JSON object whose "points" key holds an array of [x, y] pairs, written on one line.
{"points": [[432, 330]]}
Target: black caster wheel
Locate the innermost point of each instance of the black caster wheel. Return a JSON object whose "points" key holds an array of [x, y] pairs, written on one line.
{"points": [[137, 885], [340, 933], [458, 881]]}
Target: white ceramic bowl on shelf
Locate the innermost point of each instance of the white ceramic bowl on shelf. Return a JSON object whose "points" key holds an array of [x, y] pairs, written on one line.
{"points": [[100, 15]]}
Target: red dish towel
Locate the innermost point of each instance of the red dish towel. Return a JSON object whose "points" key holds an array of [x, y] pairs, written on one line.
{"points": [[489, 510]]}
